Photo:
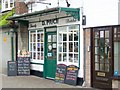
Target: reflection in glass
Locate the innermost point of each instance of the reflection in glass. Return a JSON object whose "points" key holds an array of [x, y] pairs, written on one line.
{"points": [[60, 38], [76, 58], [38, 56], [106, 54], [38, 37], [42, 37], [64, 47], [42, 56], [34, 46], [70, 57], [106, 34], [49, 38], [64, 37], [70, 46], [101, 67], [75, 46], [107, 67], [30, 37], [76, 37], [96, 42], [60, 57], [101, 34], [96, 66], [64, 57], [34, 37], [60, 48], [96, 58], [54, 53], [54, 38], [96, 50], [107, 42], [70, 36], [96, 34], [41, 46]]}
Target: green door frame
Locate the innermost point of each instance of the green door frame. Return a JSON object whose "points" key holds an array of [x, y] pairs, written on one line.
{"points": [[45, 48]]}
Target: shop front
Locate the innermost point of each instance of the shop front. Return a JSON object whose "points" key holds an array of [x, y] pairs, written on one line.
{"points": [[104, 59], [54, 38]]}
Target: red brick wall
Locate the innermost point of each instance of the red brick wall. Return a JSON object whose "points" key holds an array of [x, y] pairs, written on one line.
{"points": [[20, 7]]}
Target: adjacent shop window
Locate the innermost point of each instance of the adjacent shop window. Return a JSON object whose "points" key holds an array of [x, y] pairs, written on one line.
{"points": [[11, 3], [36, 45], [6, 4], [68, 44], [117, 51]]}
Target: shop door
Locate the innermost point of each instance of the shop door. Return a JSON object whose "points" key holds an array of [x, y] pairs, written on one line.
{"points": [[50, 54], [101, 58]]}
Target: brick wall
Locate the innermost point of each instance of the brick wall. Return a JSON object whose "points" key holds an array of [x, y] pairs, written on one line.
{"points": [[20, 7], [87, 58]]}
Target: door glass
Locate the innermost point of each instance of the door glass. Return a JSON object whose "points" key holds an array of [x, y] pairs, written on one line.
{"points": [[96, 66], [107, 67], [106, 34]]}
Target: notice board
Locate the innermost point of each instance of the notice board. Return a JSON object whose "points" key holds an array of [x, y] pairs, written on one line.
{"points": [[71, 75], [60, 73], [12, 68], [23, 66]]}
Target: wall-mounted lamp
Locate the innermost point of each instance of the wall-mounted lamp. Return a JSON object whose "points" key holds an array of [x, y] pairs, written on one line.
{"points": [[84, 20]]}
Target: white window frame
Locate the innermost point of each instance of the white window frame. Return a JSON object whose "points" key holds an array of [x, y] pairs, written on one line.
{"points": [[67, 32], [41, 42]]}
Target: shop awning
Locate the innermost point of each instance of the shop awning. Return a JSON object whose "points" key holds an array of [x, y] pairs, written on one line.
{"points": [[74, 12]]}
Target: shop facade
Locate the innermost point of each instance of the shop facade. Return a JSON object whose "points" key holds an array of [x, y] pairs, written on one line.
{"points": [[102, 57], [53, 38]]}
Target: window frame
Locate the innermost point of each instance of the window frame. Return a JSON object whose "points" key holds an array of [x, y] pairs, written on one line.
{"points": [[36, 32], [67, 52]]}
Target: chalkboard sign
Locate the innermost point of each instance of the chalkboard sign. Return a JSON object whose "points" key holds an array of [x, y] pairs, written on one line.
{"points": [[12, 68], [60, 73], [71, 75], [23, 65]]}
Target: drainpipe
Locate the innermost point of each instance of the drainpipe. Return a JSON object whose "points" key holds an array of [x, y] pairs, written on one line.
{"points": [[12, 44]]}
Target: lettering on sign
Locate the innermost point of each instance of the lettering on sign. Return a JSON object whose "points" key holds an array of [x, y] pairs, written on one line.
{"points": [[32, 25], [71, 75], [50, 22], [70, 20], [60, 73], [100, 74]]}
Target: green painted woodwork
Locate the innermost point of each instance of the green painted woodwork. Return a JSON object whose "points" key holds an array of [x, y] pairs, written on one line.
{"points": [[3, 18], [50, 61], [75, 12]]}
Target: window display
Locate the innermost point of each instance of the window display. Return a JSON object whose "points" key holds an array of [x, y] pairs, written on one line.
{"points": [[36, 45], [68, 44]]}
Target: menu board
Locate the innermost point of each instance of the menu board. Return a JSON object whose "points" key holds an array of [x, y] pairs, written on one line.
{"points": [[60, 73], [23, 65], [71, 75], [12, 68]]}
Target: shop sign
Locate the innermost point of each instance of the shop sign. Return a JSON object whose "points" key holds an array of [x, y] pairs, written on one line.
{"points": [[12, 68], [101, 74], [70, 20], [50, 22], [60, 73], [71, 75], [33, 25]]}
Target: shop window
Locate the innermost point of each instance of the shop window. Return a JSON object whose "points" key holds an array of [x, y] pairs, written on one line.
{"points": [[36, 45], [11, 3], [68, 44], [117, 51], [6, 4]]}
